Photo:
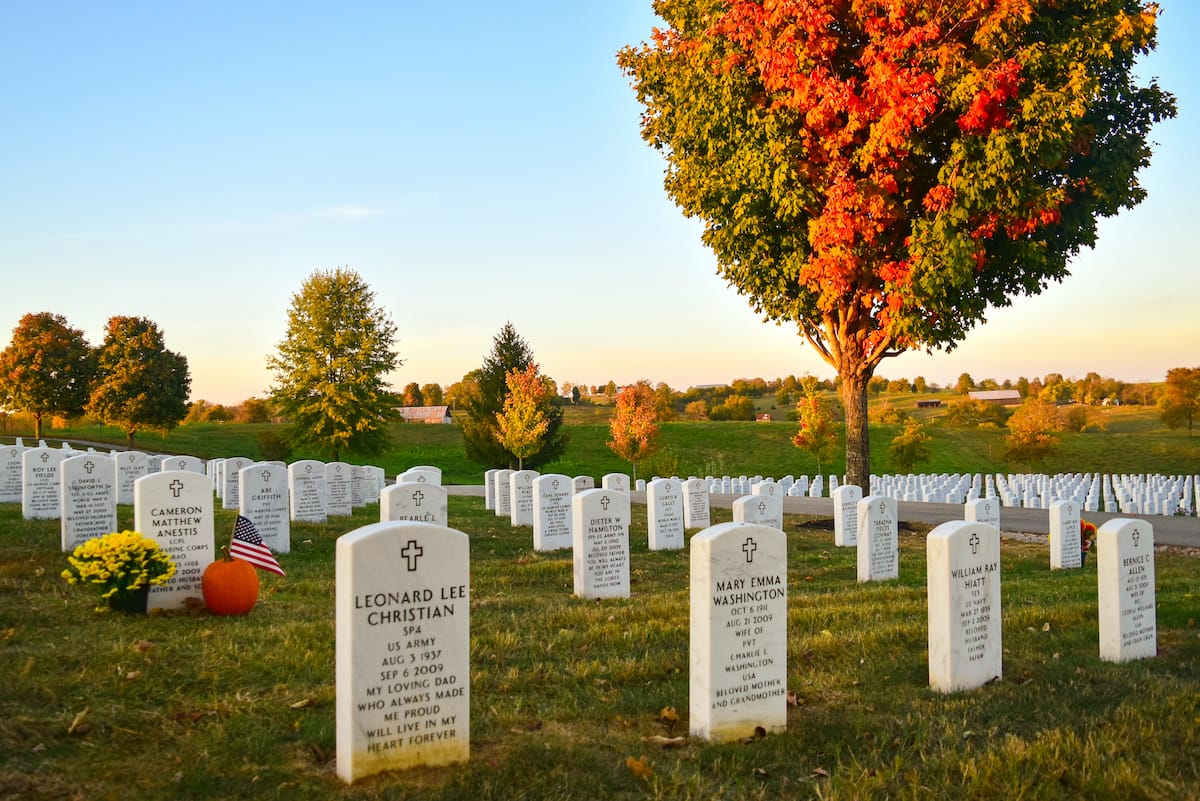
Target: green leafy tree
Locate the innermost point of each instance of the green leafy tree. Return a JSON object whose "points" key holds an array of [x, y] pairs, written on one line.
{"points": [[696, 410], [1180, 403], [254, 410], [882, 174], [1032, 432], [664, 403], [47, 369], [969, 413], [481, 398], [634, 425], [911, 446], [139, 383], [432, 395], [331, 367]]}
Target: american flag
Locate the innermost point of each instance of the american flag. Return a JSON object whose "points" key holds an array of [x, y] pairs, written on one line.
{"points": [[248, 544]]}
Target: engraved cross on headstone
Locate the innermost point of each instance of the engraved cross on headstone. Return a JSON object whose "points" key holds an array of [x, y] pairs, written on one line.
{"points": [[183, 464], [604, 502], [89, 466], [762, 508], [1137, 535], [266, 476], [417, 496], [974, 541], [176, 487], [749, 547], [411, 552], [45, 457]]}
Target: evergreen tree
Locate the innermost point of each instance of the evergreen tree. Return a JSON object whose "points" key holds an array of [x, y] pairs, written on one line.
{"points": [[481, 398], [331, 366], [139, 383]]}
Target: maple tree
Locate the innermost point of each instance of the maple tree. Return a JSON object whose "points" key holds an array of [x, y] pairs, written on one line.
{"points": [[1180, 403], [634, 425], [880, 173], [47, 368], [819, 430], [524, 422], [139, 383]]}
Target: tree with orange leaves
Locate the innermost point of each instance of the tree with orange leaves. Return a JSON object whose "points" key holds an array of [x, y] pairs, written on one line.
{"points": [[881, 173], [524, 422], [634, 425]]}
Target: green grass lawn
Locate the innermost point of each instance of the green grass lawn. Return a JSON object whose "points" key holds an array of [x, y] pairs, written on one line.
{"points": [[563, 691]]}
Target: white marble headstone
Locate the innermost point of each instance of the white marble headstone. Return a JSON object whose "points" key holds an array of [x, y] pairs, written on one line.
{"points": [[600, 539], [131, 465], [306, 491], [489, 489], [878, 539], [1064, 535], [403, 648], [40, 490], [520, 490], [337, 489], [983, 510], [187, 464], [738, 651], [664, 514], [581, 483], [263, 499], [695, 503], [1125, 582], [414, 501], [89, 498], [175, 509], [615, 481], [765, 510], [845, 515], [503, 480], [10, 473], [420, 475], [963, 586], [552, 495]]}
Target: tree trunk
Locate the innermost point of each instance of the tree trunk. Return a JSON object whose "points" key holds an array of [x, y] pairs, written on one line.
{"points": [[129, 440], [37, 426], [858, 442]]}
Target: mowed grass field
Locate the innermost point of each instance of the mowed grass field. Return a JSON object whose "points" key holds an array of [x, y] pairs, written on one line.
{"points": [[566, 694]]}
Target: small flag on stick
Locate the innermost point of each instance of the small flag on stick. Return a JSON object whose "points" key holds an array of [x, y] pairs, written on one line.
{"points": [[248, 544]]}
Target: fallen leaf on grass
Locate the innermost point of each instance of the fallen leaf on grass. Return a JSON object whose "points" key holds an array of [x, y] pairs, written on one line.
{"points": [[761, 773], [303, 703], [77, 725], [669, 714], [665, 742], [1046, 627], [639, 767], [142, 646], [7, 634], [792, 698], [132, 675], [824, 774]]}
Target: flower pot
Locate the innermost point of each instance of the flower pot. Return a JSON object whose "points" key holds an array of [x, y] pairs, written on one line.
{"points": [[131, 602]]}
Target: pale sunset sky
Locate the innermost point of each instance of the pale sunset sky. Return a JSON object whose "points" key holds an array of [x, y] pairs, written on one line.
{"points": [[476, 162]]}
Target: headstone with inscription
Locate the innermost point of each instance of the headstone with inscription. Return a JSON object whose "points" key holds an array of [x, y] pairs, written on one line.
{"points": [[1064, 535], [615, 481], [10, 473], [263, 498], [845, 515], [581, 483], [358, 495], [230, 481], [175, 509], [878, 539], [374, 480], [503, 480], [306, 491], [131, 465], [764, 510], [1125, 582], [983, 510], [664, 514], [600, 538], [695, 503], [520, 490], [40, 490], [402, 648], [963, 586], [414, 501], [337, 489], [552, 512], [738, 652], [89, 498]]}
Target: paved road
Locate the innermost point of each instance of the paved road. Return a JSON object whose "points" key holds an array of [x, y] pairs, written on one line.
{"points": [[1178, 531]]}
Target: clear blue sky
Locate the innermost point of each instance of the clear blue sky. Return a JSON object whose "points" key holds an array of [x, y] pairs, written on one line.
{"points": [[476, 163]]}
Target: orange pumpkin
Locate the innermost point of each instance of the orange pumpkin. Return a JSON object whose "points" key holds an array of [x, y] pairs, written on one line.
{"points": [[230, 586]]}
